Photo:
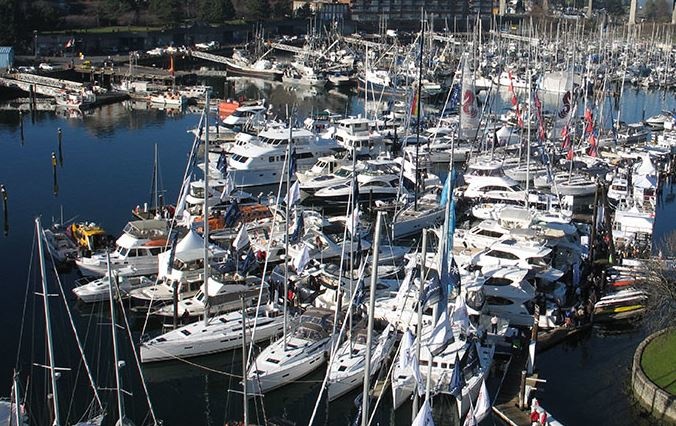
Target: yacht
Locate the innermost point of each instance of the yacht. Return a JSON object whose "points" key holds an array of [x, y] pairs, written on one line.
{"points": [[135, 252], [220, 334], [411, 220], [483, 168], [245, 117], [514, 252], [346, 369], [261, 160], [322, 167], [92, 290], [508, 295], [225, 295], [322, 246], [302, 352], [359, 136], [341, 176], [169, 99], [239, 64], [482, 235], [372, 187]]}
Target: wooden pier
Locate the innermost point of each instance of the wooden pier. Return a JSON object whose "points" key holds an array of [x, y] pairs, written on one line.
{"points": [[507, 405]]}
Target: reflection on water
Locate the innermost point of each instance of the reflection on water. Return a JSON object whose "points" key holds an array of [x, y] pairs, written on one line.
{"points": [[108, 170]]}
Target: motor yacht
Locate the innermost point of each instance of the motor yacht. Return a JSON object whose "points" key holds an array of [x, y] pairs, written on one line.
{"points": [[92, 290], [261, 160], [135, 252]]}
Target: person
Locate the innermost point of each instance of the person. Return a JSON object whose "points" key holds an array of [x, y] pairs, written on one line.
{"points": [[535, 418], [185, 318], [494, 324]]}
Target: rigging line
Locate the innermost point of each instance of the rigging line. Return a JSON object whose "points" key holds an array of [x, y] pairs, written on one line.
{"points": [[267, 255], [72, 325], [138, 362], [334, 349], [193, 150], [25, 303]]}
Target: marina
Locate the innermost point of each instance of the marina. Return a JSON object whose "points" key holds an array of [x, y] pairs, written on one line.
{"points": [[479, 216]]}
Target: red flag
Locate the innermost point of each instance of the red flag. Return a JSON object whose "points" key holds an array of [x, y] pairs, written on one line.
{"points": [[592, 145], [570, 154], [515, 101]]}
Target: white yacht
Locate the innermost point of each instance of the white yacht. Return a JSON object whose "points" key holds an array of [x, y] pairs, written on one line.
{"points": [[322, 246], [261, 160], [482, 235], [323, 166], [135, 253], [245, 117], [508, 295], [360, 136], [411, 220], [224, 296], [341, 176], [483, 168], [372, 187], [346, 369], [304, 350], [221, 333], [95, 290]]}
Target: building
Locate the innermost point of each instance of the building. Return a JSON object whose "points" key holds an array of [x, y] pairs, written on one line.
{"points": [[325, 10], [401, 11], [6, 57]]}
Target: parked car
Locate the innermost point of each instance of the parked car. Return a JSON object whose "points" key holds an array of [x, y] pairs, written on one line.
{"points": [[44, 66]]}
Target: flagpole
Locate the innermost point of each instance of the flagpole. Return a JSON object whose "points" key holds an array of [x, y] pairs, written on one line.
{"points": [[418, 332]]}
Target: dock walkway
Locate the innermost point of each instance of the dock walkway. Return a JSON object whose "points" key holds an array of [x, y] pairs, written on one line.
{"points": [[506, 405]]}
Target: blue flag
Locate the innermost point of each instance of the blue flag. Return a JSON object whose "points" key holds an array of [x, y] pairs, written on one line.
{"points": [[232, 214], [249, 262], [292, 163], [222, 164], [457, 379], [430, 289], [299, 231]]}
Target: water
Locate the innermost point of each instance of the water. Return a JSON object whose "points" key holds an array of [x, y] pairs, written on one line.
{"points": [[106, 171]]}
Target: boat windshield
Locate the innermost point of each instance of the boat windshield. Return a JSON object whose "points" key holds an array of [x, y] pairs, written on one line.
{"points": [[343, 173]]}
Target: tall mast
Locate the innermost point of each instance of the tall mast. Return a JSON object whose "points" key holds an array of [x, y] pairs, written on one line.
{"points": [[418, 332], [48, 326], [286, 236], [244, 358], [417, 130], [205, 210], [156, 189], [369, 333], [118, 363]]}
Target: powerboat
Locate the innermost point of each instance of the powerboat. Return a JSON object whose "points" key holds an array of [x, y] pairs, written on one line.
{"points": [[94, 290]]}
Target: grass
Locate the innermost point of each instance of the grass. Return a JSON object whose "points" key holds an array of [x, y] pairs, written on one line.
{"points": [[106, 30], [659, 361]]}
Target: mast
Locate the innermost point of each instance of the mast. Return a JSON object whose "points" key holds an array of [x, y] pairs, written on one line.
{"points": [[417, 130], [48, 326], [205, 210], [286, 236], [418, 332], [118, 364], [16, 400], [369, 333], [244, 357], [530, 120], [156, 190]]}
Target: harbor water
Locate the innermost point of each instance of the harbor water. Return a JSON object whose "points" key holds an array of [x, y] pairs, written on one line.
{"points": [[104, 169]]}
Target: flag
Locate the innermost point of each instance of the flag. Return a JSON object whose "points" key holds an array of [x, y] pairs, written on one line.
{"points": [[172, 251], [352, 223], [248, 262], [515, 101], [460, 315], [359, 294], [227, 188], [430, 289], [242, 239], [424, 417], [471, 357], [293, 196], [445, 192], [455, 97], [231, 214], [414, 104], [299, 230], [570, 155], [407, 351], [483, 404], [222, 164], [171, 67], [302, 259], [592, 144], [355, 190], [292, 163], [442, 334], [469, 111], [69, 43], [457, 379]]}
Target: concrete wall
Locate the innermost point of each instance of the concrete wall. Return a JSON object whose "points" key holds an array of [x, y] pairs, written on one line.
{"points": [[658, 402]]}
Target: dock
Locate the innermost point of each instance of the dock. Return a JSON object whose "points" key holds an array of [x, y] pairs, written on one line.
{"points": [[507, 406]]}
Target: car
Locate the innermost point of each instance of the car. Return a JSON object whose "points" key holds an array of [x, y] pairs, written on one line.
{"points": [[30, 70], [156, 52], [44, 66]]}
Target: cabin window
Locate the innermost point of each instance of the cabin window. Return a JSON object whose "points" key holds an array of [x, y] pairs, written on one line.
{"points": [[132, 253], [496, 300], [488, 233], [271, 159], [498, 281], [123, 251], [502, 255]]}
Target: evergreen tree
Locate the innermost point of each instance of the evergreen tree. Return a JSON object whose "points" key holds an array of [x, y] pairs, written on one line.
{"points": [[8, 29], [305, 11], [167, 12], [258, 9], [215, 11], [281, 9]]}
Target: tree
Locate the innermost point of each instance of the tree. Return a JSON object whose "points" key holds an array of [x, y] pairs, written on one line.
{"points": [[281, 9], [305, 11], [615, 7], [8, 29], [258, 9], [215, 11], [167, 12], [660, 284]]}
